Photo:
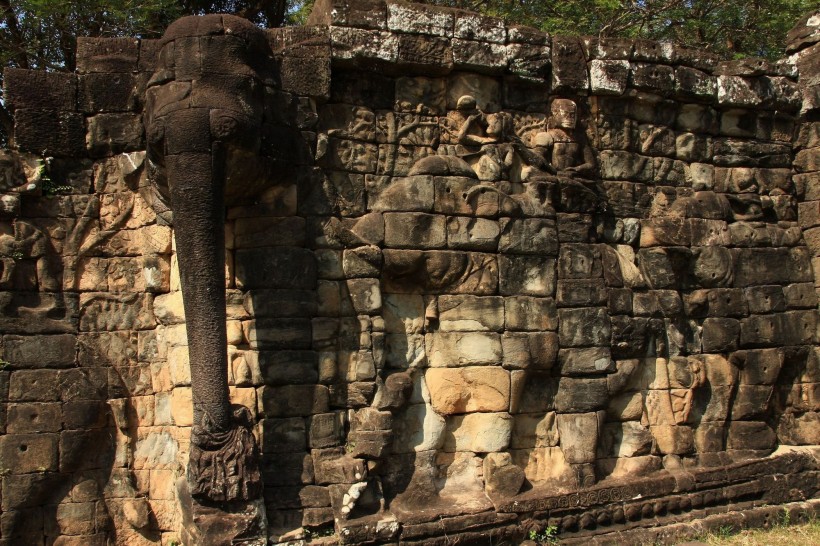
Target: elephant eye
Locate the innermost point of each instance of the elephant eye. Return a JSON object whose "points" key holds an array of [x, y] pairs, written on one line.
{"points": [[156, 132], [224, 127]]}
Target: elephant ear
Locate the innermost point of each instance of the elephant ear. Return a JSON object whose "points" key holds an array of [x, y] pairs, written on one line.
{"points": [[154, 196]]}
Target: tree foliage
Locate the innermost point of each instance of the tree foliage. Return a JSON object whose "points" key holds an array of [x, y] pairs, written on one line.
{"points": [[42, 33]]}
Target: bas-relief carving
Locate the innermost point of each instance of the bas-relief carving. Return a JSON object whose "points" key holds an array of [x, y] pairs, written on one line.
{"points": [[661, 404], [449, 254]]}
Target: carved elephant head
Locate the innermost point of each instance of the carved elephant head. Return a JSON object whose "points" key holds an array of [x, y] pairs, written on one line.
{"points": [[209, 120]]}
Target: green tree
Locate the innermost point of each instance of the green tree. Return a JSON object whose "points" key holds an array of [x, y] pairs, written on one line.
{"points": [[42, 34]]}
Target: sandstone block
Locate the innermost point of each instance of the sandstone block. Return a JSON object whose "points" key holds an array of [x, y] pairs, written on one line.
{"points": [[578, 433], [403, 313], [110, 134], [405, 351], [530, 314], [289, 469], [532, 392], [584, 327], [365, 261], [457, 196], [332, 466], [287, 268], [502, 478], [751, 402], [750, 435], [293, 400], [414, 193], [526, 275], [585, 361], [418, 428], [626, 439], [581, 293], [478, 432], [608, 77], [534, 430], [720, 335], [470, 313], [40, 89], [760, 366], [270, 333], [414, 19], [467, 233], [23, 453], [33, 417], [529, 350], [449, 349], [56, 351], [543, 465], [325, 430], [579, 395], [483, 57], [528, 236], [568, 65], [790, 328], [414, 230], [365, 295], [34, 386], [459, 390], [182, 407], [286, 435]]}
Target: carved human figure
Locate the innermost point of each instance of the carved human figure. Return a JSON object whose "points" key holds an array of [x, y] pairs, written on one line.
{"points": [[483, 140], [563, 145], [205, 116]]}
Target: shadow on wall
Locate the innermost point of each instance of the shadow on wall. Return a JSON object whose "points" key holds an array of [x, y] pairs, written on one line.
{"points": [[75, 382], [68, 453]]}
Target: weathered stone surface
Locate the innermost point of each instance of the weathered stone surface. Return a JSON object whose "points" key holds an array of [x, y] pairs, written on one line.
{"points": [[589, 361], [568, 65], [534, 430], [470, 313], [418, 428], [583, 327], [462, 348], [578, 433], [25, 453], [502, 478], [478, 432], [530, 350], [293, 400], [578, 395], [526, 275], [412, 292], [459, 390]]}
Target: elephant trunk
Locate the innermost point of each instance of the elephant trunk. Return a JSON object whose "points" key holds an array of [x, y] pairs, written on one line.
{"points": [[198, 204], [223, 463]]}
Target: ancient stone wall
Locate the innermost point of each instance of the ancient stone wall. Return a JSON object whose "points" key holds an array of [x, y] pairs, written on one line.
{"points": [[508, 281]]}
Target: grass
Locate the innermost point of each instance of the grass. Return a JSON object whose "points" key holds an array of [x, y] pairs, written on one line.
{"points": [[781, 535]]}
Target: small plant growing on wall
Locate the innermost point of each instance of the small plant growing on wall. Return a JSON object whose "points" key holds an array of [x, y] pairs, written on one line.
{"points": [[548, 535]]}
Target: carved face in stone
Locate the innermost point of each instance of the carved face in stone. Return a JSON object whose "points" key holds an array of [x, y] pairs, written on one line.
{"points": [[564, 113], [497, 125]]}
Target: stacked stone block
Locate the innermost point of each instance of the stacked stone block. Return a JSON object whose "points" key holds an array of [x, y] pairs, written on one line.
{"points": [[421, 328], [91, 436]]}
